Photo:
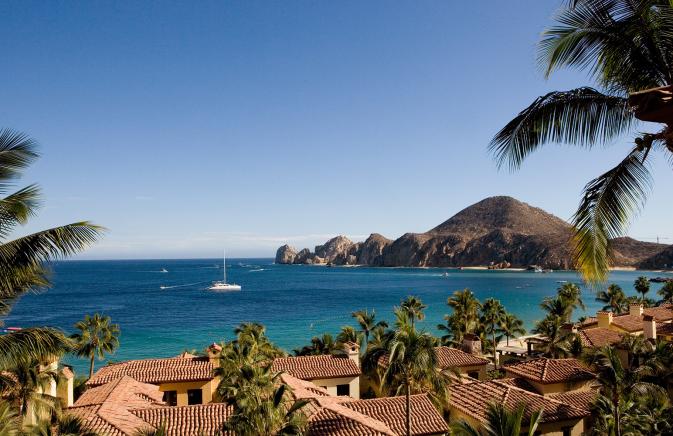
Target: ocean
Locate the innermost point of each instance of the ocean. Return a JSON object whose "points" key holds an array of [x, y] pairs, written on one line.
{"points": [[164, 313]]}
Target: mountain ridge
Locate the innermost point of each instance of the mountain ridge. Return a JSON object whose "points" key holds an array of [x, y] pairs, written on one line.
{"points": [[495, 232]]}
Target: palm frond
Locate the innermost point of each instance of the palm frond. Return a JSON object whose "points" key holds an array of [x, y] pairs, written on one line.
{"points": [[17, 208], [17, 151], [582, 116], [604, 213], [31, 344]]}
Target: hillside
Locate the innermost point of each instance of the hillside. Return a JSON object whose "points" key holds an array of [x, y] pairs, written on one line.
{"points": [[497, 231]]}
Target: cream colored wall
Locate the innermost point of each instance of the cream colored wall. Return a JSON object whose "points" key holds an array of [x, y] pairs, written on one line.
{"points": [[331, 385], [64, 391], [481, 369], [207, 390], [555, 388]]}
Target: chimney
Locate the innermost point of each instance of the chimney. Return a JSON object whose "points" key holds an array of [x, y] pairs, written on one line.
{"points": [[569, 328], [65, 387], [471, 344], [352, 351], [635, 309], [213, 352], [604, 318], [649, 327]]}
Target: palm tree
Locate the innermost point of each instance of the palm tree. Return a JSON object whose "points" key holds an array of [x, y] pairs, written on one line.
{"points": [[557, 343], [412, 365], [253, 335], [349, 334], [9, 421], [97, 337], [24, 385], [510, 326], [23, 260], [556, 306], [464, 319], [617, 384], [571, 295], [642, 285], [625, 46], [500, 421], [273, 415], [492, 314], [413, 307], [66, 425], [367, 322], [666, 292], [320, 345], [614, 299]]}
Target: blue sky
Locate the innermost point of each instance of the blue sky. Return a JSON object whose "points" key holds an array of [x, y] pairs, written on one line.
{"points": [[248, 124]]}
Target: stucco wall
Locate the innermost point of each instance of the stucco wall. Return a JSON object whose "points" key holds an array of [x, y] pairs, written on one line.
{"points": [[331, 385], [207, 390]]}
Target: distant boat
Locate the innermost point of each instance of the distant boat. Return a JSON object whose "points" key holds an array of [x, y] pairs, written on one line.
{"points": [[561, 281], [163, 270], [223, 286], [538, 269]]}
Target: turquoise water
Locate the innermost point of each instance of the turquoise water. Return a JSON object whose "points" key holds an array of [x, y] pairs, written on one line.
{"points": [[295, 302]]}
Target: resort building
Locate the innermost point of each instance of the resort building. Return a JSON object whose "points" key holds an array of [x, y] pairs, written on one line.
{"points": [[338, 375], [470, 402], [633, 322], [183, 380], [552, 376], [123, 406], [448, 358]]}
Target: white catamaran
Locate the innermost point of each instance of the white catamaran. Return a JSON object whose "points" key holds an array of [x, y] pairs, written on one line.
{"points": [[223, 285]]}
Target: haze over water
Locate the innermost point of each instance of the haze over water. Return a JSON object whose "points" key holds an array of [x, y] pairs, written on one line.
{"points": [[294, 302]]}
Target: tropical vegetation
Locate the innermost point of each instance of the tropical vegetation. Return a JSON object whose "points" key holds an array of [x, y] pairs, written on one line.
{"points": [[96, 337]]}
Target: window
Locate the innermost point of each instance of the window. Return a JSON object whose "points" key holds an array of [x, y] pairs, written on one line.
{"points": [[194, 396], [567, 431], [343, 390], [473, 374], [171, 398]]}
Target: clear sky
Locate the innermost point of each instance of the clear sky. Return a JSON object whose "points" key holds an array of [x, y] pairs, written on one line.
{"points": [[249, 124]]}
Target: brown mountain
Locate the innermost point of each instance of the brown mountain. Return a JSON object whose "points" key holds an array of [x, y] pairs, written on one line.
{"points": [[495, 231]]}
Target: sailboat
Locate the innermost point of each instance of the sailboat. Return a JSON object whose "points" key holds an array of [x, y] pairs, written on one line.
{"points": [[223, 286]]}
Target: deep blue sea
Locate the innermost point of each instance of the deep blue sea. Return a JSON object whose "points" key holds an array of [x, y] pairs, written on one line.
{"points": [[165, 313]]}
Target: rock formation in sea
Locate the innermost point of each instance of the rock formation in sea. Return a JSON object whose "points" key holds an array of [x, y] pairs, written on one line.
{"points": [[497, 232]]}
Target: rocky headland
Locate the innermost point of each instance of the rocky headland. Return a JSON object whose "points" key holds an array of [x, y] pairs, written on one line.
{"points": [[498, 232]]}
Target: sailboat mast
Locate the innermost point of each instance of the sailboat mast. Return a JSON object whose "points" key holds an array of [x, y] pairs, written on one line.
{"points": [[224, 265]]}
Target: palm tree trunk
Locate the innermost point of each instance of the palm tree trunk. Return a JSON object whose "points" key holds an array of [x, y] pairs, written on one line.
{"points": [[615, 408], [408, 400], [508, 340], [495, 362], [91, 367]]}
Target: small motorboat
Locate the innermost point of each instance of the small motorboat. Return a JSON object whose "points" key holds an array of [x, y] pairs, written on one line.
{"points": [[163, 270]]}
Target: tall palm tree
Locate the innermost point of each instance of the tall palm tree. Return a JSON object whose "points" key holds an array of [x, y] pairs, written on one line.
{"points": [[666, 292], [24, 260], [367, 322], [253, 335], [642, 286], [97, 337], [465, 316], [413, 307], [412, 365], [324, 344], [510, 326], [492, 314], [625, 46], [571, 295], [556, 306], [349, 334], [618, 385], [500, 421], [557, 343], [614, 299]]}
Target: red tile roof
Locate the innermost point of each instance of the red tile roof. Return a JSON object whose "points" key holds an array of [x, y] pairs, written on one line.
{"points": [[473, 399], [425, 419], [106, 408], [157, 371], [599, 337], [581, 400], [634, 323], [547, 371], [202, 419], [448, 357], [317, 367], [335, 420]]}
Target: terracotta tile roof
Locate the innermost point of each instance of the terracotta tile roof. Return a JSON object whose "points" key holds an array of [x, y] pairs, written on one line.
{"points": [[202, 419], [588, 322], [546, 371], [449, 358], [156, 371], [599, 336], [302, 389], [634, 323], [581, 400], [107, 408], [473, 399], [665, 329], [520, 383], [317, 367], [425, 419], [336, 420]]}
